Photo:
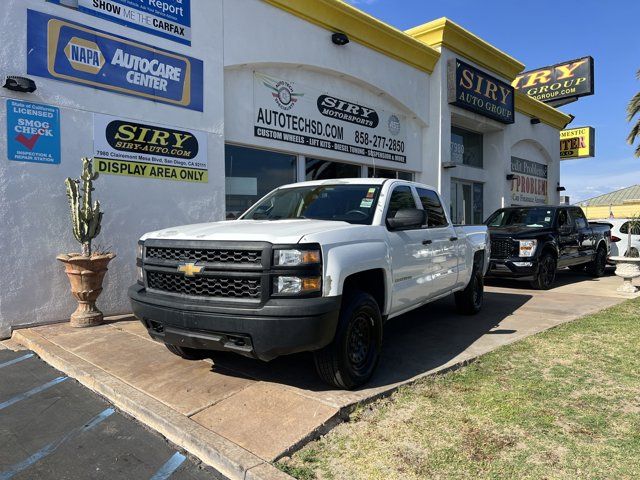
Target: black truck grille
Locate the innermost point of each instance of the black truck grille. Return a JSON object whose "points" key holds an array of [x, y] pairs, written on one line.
{"points": [[221, 287], [204, 255], [502, 248]]}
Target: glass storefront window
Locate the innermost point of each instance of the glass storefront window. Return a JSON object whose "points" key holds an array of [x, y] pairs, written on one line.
{"points": [[252, 173], [466, 147], [317, 169], [467, 202], [374, 172]]}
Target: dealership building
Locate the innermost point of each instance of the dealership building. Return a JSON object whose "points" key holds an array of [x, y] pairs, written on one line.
{"points": [[194, 109]]}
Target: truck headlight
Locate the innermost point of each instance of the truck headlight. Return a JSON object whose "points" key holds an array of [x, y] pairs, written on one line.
{"points": [[528, 247], [139, 275], [140, 250], [289, 285], [295, 257]]}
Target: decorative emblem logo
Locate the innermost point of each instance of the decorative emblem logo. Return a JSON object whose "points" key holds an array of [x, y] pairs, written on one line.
{"points": [[394, 125], [283, 92], [189, 269], [84, 55]]}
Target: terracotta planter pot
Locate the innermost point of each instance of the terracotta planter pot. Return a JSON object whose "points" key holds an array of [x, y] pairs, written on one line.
{"points": [[85, 276]]}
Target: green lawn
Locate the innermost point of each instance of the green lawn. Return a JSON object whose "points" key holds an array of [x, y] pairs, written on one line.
{"points": [[561, 404]]}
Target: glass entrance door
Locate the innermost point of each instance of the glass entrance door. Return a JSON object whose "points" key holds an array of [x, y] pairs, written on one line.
{"points": [[466, 202]]}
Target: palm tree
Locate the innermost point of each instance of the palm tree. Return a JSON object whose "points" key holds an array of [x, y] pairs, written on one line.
{"points": [[632, 110]]}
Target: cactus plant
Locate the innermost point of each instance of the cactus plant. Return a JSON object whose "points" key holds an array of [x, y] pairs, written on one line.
{"points": [[85, 215]]}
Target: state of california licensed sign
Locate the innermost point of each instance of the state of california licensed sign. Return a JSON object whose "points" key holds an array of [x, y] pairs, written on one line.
{"points": [[166, 18], [129, 147], [289, 112], [68, 51]]}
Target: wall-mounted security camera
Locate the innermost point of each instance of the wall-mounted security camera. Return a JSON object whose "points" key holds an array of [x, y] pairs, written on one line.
{"points": [[20, 84], [339, 38]]}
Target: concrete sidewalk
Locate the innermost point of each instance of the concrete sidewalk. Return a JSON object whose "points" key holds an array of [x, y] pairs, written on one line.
{"points": [[254, 412]]}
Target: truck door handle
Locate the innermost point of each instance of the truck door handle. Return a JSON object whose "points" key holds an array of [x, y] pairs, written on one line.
{"points": [[427, 242], [453, 239]]}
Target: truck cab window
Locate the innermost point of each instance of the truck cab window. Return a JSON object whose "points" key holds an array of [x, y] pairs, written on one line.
{"points": [[431, 204], [402, 197]]}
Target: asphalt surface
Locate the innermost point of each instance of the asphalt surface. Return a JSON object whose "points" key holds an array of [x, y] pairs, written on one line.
{"points": [[51, 427]]}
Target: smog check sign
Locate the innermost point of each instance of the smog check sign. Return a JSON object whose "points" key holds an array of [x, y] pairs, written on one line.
{"points": [[33, 132], [70, 52]]}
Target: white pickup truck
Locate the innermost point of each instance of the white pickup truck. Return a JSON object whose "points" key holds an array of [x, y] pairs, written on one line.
{"points": [[314, 266]]}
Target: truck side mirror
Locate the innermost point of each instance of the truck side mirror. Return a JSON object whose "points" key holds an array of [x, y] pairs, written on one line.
{"points": [[406, 218]]}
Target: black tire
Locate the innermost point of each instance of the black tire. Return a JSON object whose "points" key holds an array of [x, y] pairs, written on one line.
{"points": [[546, 275], [577, 268], [186, 353], [598, 266], [350, 359], [469, 301]]}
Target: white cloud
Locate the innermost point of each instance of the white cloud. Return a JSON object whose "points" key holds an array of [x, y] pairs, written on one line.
{"points": [[586, 180]]}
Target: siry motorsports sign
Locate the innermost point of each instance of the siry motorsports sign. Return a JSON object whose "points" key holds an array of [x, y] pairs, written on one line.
{"points": [[166, 18], [474, 90], [127, 147], [71, 52], [289, 112], [558, 84], [577, 143]]}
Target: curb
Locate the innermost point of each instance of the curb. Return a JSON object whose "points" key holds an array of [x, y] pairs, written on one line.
{"points": [[228, 458]]}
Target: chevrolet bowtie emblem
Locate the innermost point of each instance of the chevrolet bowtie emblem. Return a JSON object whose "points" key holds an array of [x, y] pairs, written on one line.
{"points": [[190, 269]]}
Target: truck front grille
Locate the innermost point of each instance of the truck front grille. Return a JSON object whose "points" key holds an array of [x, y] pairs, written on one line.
{"points": [[502, 248], [205, 286], [204, 255]]}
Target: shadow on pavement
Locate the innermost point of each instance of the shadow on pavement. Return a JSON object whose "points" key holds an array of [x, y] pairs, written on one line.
{"points": [[564, 277], [414, 343]]}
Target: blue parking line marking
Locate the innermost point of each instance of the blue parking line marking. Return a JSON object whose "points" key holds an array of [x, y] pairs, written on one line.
{"points": [[169, 467], [16, 360], [51, 447], [32, 392]]}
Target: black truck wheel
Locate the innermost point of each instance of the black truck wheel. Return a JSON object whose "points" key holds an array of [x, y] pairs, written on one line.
{"points": [[469, 301], [186, 353], [350, 359], [546, 275], [597, 267]]}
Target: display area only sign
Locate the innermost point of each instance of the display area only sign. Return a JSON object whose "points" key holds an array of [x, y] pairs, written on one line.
{"points": [[577, 143], [530, 185], [166, 18], [127, 147], [71, 52], [33, 132], [289, 112]]}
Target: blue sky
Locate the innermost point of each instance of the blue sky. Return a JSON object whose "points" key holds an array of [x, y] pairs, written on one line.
{"points": [[547, 32]]}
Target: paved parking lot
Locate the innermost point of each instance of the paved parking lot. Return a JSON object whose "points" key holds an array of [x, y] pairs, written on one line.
{"points": [[267, 409], [52, 427]]}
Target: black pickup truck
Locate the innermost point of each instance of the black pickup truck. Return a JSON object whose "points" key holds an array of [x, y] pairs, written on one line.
{"points": [[532, 243]]}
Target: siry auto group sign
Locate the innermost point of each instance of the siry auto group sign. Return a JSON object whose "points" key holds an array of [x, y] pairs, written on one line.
{"points": [[472, 89], [558, 84]]}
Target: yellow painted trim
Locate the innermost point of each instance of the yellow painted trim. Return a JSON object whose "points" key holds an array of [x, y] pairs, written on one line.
{"points": [[536, 109], [338, 16], [446, 33]]}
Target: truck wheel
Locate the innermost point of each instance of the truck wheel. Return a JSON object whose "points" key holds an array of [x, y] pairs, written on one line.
{"points": [[597, 267], [469, 301], [186, 353], [350, 359], [546, 275]]}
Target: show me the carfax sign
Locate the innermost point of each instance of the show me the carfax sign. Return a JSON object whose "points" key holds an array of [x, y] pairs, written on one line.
{"points": [[287, 111], [70, 52], [128, 147], [166, 18]]}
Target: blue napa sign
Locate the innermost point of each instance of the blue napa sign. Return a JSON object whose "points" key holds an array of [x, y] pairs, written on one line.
{"points": [[166, 18], [71, 52], [33, 132]]}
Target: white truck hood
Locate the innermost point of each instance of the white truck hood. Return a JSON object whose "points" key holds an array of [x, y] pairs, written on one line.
{"points": [[274, 231]]}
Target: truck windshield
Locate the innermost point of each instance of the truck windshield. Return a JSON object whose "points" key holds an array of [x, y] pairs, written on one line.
{"points": [[346, 203], [527, 217]]}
